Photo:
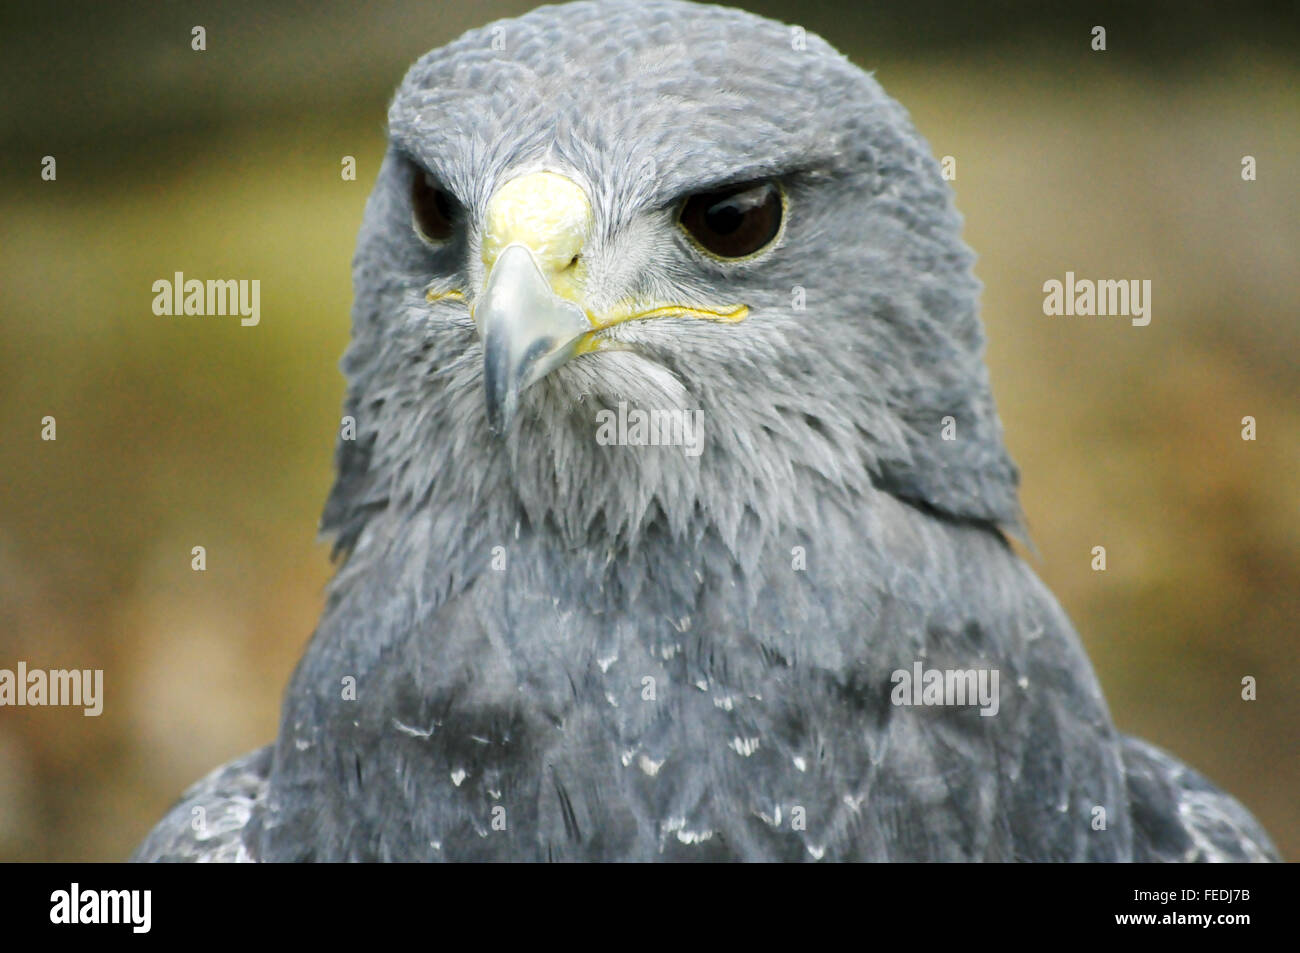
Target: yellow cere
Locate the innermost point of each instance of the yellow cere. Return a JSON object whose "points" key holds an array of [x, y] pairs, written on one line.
{"points": [[551, 215]]}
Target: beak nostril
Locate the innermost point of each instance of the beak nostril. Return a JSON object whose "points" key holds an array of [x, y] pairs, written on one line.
{"points": [[573, 262]]}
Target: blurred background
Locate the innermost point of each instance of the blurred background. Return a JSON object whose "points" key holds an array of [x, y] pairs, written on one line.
{"points": [[177, 432]]}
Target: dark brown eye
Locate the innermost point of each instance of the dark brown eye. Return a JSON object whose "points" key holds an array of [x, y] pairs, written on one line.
{"points": [[736, 221], [431, 208]]}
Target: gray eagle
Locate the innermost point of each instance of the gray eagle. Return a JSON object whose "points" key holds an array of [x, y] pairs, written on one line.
{"points": [[674, 462]]}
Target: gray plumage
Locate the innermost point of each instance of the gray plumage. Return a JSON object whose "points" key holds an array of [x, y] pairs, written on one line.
{"points": [[517, 697]]}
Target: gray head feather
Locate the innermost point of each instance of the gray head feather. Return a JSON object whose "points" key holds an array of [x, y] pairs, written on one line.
{"points": [[797, 403]]}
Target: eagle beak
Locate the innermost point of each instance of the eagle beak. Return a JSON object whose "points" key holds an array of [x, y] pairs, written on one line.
{"points": [[527, 331]]}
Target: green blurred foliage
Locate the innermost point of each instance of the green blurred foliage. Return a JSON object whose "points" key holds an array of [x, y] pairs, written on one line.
{"points": [[175, 432]]}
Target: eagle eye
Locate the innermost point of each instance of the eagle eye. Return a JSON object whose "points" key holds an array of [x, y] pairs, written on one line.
{"points": [[734, 222], [432, 208]]}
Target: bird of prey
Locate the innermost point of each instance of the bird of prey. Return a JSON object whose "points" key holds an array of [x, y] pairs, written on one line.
{"points": [[553, 637]]}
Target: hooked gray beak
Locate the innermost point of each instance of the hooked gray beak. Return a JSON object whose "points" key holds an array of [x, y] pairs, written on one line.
{"points": [[527, 331]]}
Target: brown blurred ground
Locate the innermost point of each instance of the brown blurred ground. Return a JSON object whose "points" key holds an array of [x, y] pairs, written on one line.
{"points": [[181, 432]]}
